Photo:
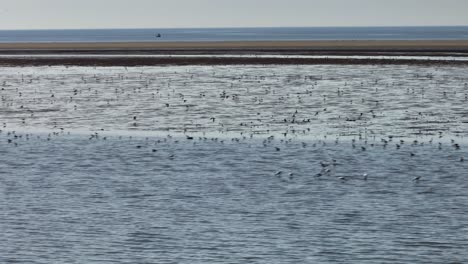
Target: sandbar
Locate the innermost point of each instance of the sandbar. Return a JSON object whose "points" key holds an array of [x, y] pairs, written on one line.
{"points": [[361, 47], [358, 45]]}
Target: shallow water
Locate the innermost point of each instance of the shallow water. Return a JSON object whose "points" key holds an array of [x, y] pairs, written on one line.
{"points": [[77, 200], [141, 191], [297, 100], [359, 57]]}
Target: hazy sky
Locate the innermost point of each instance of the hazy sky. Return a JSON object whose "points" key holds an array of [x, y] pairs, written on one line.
{"points": [[34, 14]]}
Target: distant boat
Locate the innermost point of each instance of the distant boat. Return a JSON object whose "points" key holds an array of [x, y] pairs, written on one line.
{"points": [[158, 35]]}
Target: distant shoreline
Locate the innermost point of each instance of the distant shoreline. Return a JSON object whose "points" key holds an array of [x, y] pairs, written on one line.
{"points": [[338, 45], [348, 48]]}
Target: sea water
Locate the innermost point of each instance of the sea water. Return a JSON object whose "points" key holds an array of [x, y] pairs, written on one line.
{"points": [[236, 34], [234, 164]]}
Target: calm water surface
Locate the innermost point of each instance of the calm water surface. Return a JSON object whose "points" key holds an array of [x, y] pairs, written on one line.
{"points": [[234, 164], [236, 34]]}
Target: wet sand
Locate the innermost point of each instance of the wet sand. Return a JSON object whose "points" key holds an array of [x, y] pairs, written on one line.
{"points": [[371, 48], [183, 61]]}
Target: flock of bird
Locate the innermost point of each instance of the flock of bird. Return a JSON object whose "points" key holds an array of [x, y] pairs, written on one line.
{"points": [[369, 106], [325, 168]]}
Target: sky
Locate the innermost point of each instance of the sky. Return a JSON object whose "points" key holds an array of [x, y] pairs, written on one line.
{"points": [[68, 14]]}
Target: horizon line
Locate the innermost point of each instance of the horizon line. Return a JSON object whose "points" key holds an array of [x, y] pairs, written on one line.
{"points": [[230, 27]]}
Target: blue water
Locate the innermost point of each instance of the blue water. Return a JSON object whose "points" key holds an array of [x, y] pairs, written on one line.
{"points": [[236, 34]]}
